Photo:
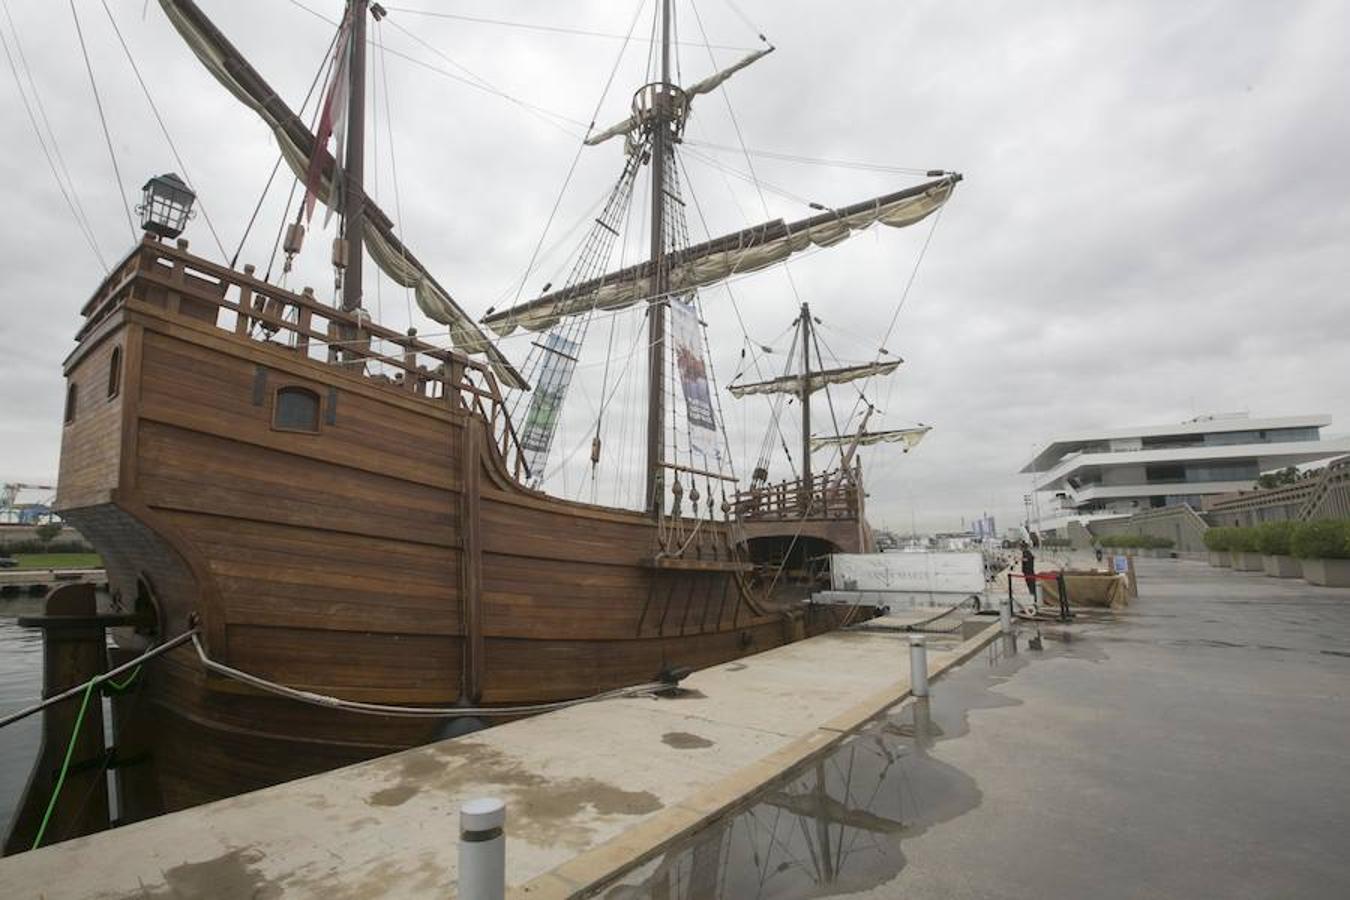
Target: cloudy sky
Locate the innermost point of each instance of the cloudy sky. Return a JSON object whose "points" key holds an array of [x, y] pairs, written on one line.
{"points": [[1155, 222]]}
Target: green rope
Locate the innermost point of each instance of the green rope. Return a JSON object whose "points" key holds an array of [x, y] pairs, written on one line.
{"points": [[111, 687], [65, 766]]}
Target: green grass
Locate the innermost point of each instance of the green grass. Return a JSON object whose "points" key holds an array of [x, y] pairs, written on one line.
{"points": [[58, 560]]}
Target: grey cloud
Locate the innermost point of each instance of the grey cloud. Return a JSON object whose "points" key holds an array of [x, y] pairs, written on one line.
{"points": [[1154, 224]]}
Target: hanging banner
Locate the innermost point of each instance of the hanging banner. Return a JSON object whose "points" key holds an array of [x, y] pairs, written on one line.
{"points": [[546, 402], [694, 380]]}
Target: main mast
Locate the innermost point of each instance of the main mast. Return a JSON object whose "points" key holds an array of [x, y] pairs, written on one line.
{"points": [[662, 116], [354, 194]]}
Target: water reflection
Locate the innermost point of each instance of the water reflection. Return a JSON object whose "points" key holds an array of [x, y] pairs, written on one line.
{"points": [[20, 685], [837, 825]]}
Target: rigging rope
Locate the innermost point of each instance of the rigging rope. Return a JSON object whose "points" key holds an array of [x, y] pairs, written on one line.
{"points": [[103, 121], [163, 127], [71, 196], [571, 169], [323, 66], [816, 160], [531, 26], [393, 164], [474, 80]]}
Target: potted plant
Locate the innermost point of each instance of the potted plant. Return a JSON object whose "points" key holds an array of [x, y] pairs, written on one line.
{"points": [[1162, 546], [1216, 541], [1273, 540], [1324, 549], [1246, 552]]}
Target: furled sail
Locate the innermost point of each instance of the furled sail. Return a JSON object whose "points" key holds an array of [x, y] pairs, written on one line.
{"points": [[713, 261], [707, 85], [297, 145], [792, 384], [910, 437]]}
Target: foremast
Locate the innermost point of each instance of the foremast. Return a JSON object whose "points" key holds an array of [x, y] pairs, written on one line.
{"points": [[354, 197]]}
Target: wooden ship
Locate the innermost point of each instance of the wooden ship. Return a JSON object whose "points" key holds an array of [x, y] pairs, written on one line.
{"points": [[364, 523]]}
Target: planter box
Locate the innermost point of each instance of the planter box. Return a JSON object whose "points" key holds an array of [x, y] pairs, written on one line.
{"points": [[1282, 566], [1247, 562], [1219, 559], [1327, 572]]}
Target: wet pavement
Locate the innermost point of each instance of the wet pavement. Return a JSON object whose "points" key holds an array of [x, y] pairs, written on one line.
{"points": [[1194, 745]]}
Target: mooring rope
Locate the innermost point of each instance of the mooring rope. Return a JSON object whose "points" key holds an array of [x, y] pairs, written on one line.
{"points": [[380, 709], [97, 679]]}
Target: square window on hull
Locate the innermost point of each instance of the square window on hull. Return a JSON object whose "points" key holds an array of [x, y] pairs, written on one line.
{"points": [[296, 409]]}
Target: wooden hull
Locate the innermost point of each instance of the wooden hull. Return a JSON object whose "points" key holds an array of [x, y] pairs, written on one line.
{"points": [[387, 557]]}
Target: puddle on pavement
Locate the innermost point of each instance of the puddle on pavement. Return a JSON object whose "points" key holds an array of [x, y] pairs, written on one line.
{"points": [[838, 824]]}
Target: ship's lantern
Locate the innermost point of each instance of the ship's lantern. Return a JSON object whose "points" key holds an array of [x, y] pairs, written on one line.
{"points": [[166, 205]]}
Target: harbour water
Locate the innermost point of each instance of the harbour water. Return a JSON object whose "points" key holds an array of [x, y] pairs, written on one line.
{"points": [[20, 685]]}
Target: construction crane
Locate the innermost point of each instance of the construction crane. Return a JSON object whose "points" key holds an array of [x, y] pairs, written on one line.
{"points": [[12, 512]]}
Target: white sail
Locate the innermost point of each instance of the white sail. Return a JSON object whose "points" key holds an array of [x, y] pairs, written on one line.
{"points": [[714, 81], [713, 261], [910, 437], [705, 86], [792, 384]]}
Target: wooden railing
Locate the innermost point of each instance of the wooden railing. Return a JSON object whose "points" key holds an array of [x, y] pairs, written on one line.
{"points": [[829, 495], [238, 302]]}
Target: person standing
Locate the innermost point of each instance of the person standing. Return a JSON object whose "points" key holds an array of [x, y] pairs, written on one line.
{"points": [[1029, 571]]}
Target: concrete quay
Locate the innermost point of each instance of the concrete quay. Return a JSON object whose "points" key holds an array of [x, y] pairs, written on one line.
{"points": [[590, 791]]}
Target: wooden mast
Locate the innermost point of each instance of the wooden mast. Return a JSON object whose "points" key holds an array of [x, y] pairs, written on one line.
{"points": [[806, 404], [354, 194], [662, 111]]}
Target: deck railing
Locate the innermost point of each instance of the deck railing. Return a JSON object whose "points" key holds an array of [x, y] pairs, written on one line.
{"points": [[829, 495], [300, 324]]}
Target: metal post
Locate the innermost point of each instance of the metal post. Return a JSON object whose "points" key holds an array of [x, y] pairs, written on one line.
{"points": [[918, 665], [482, 850], [1005, 616]]}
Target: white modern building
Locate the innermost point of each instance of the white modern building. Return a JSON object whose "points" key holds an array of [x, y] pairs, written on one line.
{"points": [[1107, 474]]}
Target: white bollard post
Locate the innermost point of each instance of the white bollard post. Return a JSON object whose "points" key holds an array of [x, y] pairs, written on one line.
{"points": [[482, 850], [1005, 616], [918, 665]]}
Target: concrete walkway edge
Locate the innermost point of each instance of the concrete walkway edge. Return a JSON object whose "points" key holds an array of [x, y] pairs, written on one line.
{"points": [[592, 869]]}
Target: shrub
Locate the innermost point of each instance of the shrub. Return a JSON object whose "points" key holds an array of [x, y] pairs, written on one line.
{"points": [[1244, 540], [1325, 539], [1219, 538], [1272, 538]]}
